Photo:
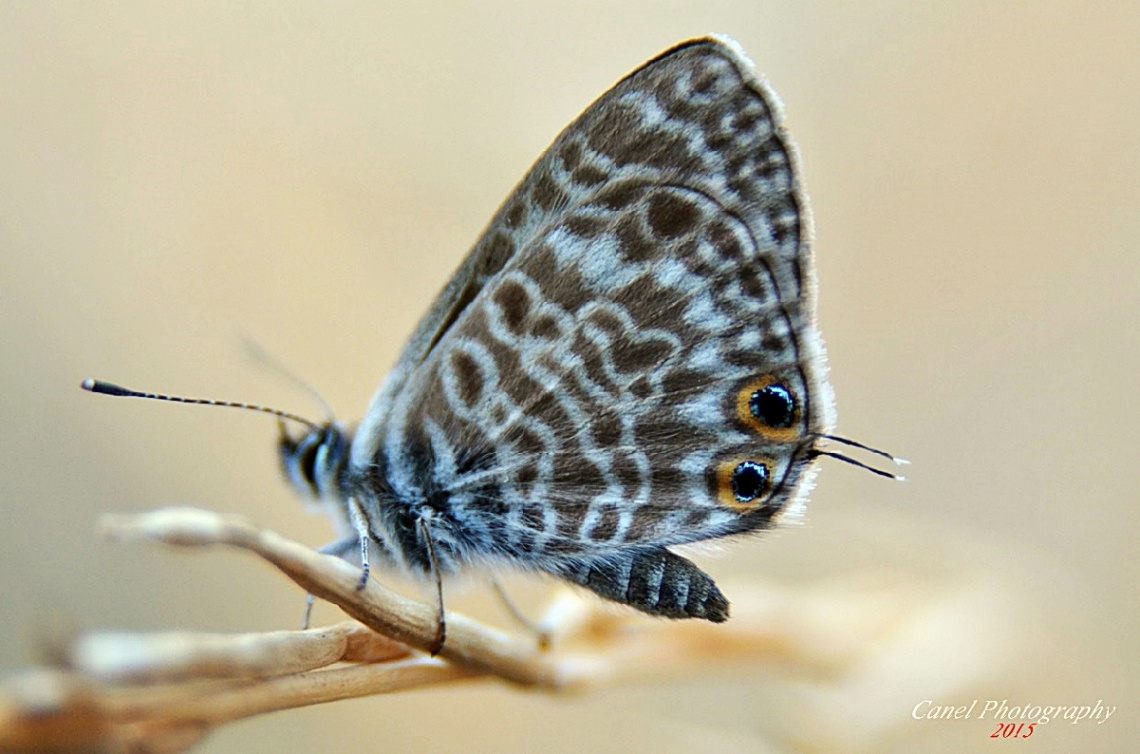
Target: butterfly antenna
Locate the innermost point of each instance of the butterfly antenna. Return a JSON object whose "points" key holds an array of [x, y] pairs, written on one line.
{"points": [[92, 385], [263, 358]]}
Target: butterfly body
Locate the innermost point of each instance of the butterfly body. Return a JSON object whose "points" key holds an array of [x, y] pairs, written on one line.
{"points": [[627, 360]]}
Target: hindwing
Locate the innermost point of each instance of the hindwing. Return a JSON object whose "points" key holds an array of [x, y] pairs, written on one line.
{"points": [[628, 355]]}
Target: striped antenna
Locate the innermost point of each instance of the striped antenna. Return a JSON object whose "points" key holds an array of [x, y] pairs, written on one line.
{"points": [[93, 385]]}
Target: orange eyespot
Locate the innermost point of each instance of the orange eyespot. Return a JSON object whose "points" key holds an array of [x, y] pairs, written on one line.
{"points": [[769, 406], [744, 483]]}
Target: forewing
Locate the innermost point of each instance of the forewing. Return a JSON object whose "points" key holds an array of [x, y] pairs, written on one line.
{"points": [[585, 380]]}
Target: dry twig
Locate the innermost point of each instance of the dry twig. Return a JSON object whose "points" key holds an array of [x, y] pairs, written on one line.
{"points": [[162, 693]]}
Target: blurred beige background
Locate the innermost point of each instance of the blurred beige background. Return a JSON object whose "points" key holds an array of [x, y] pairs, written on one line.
{"points": [[172, 178]]}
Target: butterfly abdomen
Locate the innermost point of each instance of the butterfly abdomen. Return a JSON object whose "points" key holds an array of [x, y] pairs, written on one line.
{"points": [[653, 580]]}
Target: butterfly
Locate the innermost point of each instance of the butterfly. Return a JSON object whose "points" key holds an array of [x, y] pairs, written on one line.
{"points": [[626, 362]]}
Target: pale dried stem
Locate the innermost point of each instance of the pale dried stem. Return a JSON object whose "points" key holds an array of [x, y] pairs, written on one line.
{"points": [[163, 692], [472, 646]]}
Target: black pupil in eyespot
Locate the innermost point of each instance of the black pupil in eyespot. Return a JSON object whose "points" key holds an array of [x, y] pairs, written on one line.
{"points": [[749, 480], [773, 405]]}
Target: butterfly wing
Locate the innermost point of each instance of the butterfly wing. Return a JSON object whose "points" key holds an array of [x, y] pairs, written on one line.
{"points": [[628, 358]]}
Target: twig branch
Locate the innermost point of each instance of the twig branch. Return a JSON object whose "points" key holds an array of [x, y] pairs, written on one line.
{"points": [[472, 646], [163, 692]]}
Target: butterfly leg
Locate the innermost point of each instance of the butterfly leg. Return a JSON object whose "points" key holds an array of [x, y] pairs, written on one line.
{"points": [[360, 525], [655, 581], [541, 634], [340, 549], [423, 524]]}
